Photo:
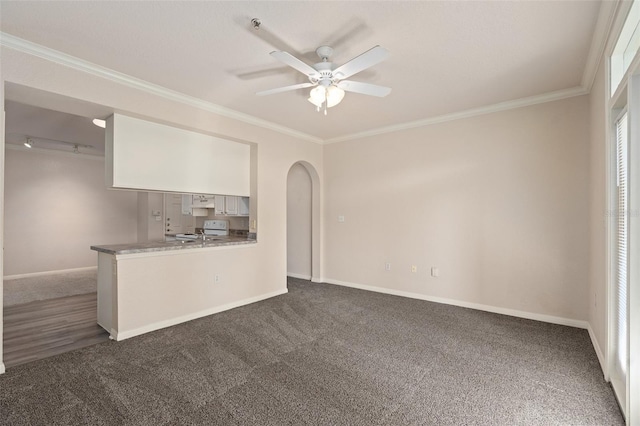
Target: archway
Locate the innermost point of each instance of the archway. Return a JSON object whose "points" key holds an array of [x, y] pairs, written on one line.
{"points": [[303, 222]]}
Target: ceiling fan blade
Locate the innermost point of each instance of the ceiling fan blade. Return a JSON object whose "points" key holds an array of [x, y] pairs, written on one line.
{"points": [[295, 63], [368, 59], [285, 89], [364, 88]]}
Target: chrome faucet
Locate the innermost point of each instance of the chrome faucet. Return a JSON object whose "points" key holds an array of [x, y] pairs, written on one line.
{"points": [[204, 236]]}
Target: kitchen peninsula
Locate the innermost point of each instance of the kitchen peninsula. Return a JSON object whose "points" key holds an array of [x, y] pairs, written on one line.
{"points": [[147, 286], [151, 285]]}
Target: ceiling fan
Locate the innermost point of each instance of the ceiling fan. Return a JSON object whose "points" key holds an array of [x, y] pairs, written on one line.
{"points": [[328, 82]]}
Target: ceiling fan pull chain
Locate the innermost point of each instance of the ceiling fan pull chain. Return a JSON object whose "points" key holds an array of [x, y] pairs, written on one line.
{"points": [[326, 99]]}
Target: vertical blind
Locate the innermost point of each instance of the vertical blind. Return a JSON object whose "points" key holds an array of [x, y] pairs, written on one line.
{"points": [[621, 244]]}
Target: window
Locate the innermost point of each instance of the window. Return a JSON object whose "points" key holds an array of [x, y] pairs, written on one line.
{"points": [[623, 346], [626, 47], [621, 242]]}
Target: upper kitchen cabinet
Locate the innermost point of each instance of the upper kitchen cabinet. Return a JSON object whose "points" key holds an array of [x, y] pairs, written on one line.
{"points": [[195, 205], [243, 206], [229, 205], [143, 155]]}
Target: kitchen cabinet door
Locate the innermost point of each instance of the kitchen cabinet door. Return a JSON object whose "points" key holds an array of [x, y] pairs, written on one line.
{"points": [[243, 206], [231, 205], [218, 202], [187, 201]]}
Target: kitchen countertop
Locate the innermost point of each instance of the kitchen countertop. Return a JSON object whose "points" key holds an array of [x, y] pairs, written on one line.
{"points": [[172, 245]]}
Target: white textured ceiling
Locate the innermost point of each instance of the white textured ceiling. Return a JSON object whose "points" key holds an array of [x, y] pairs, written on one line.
{"points": [[446, 56]]}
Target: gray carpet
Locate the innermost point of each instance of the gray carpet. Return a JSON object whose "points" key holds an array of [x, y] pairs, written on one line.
{"points": [[50, 286], [323, 355]]}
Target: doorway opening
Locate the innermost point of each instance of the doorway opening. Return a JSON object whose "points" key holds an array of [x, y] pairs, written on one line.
{"points": [[303, 222], [53, 182]]}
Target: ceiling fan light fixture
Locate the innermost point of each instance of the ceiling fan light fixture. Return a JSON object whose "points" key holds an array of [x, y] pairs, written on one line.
{"points": [[318, 95], [334, 96], [28, 143]]}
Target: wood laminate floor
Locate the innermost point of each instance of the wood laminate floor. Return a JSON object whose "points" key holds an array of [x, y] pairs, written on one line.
{"points": [[41, 329]]}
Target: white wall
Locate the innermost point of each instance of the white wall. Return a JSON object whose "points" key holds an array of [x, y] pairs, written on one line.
{"points": [[597, 208], [299, 223], [56, 207], [498, 202], [150, 229]]}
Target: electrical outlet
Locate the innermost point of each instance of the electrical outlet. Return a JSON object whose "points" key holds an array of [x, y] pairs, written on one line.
{"points": [[414, 268], [435, 272], [216, 278], [341, 219], [387, 266]]}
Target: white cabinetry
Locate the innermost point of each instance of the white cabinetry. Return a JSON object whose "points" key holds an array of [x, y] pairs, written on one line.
{"points": [[243, 206], [186, 204], [230, 205], [188, 207], [218, 201]]}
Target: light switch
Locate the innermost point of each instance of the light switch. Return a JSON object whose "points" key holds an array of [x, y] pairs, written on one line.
{"points": [[341, 219]]}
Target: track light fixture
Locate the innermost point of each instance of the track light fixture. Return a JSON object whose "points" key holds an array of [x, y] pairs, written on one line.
{"points": [[46, 143]]}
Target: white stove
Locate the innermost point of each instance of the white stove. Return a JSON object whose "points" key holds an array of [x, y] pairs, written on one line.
{"points": [[216, 227]]}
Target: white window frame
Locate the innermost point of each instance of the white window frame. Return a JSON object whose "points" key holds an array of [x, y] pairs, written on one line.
{"points": [[626, 96]]}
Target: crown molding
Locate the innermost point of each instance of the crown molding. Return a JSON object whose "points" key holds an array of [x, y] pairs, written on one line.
{"points": [[34, 49], [601, 33], [599, 41], [501, 106]]}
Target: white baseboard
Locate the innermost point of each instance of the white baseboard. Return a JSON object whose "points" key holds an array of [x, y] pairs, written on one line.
{"points": [[299, 276], [119, 336], [317, 280], [59, 271], [599, 352], [488, 308], [2, 370]]}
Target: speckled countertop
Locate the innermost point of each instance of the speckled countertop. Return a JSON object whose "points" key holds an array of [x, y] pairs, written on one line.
{"points": [[172, 245]]}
